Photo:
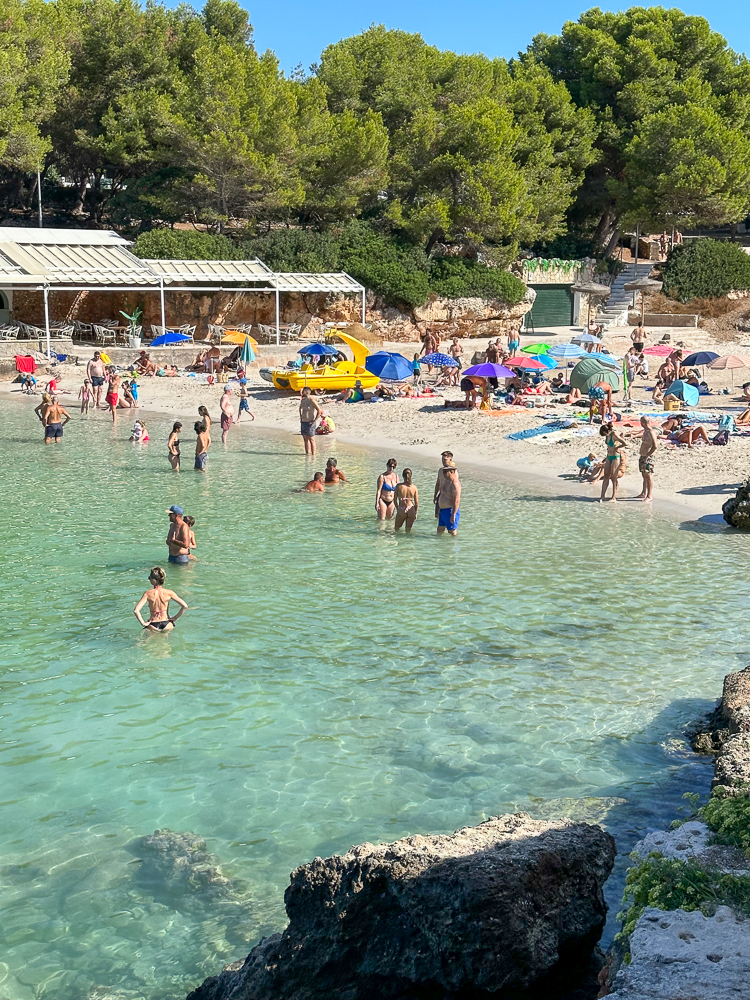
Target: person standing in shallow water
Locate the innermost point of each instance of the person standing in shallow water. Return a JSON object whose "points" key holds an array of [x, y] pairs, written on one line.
{"points": [[387, 482], [407, 502], [309, 411], [178, 537], [158, 599], [227, 413], [202, 444], [449, 502], [173, 446]]}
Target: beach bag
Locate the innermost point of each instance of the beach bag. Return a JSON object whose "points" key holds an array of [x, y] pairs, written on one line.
{"points": [[721, 438]]}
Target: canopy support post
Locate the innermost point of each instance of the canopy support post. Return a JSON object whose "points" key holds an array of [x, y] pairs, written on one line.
{"points": [[161, 302], [278, 332], [364, 306], [46, 321]]}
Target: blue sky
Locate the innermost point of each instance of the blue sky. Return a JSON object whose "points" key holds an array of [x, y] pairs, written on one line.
{"points": [[298, 30]]}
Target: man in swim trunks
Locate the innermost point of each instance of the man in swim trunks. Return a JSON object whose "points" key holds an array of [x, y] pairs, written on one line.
{"points": [[202, 443], [53, 421], [227, 413], [646, 461], [178, 537], [316, 484], [449, 502], [447, 459], [244, 408], [113, 395], [309, 411], [95, 373]]}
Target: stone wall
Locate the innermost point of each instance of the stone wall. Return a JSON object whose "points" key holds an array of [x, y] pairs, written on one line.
{"points": [[470, 317]]}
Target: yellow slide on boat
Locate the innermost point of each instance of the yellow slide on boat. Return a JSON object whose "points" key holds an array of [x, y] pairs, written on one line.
{"points": [[331, 378]]}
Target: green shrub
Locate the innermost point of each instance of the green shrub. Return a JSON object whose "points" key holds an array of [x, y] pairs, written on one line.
{"points": [[184, 244], [729, 819], [670, 884], [706, 269], [455, 277]]}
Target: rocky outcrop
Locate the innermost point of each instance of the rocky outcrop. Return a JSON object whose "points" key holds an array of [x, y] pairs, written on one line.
{"points": [[732, 771], [731, 715], [491, 907], [686, 956], [736, 510]]}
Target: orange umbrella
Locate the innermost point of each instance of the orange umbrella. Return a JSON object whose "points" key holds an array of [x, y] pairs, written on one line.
{"points": [[237, 337]]}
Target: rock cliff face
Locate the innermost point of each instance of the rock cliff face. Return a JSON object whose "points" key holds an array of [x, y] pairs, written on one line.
{"points": [[736, 511], [489, 908], [727, 734]]}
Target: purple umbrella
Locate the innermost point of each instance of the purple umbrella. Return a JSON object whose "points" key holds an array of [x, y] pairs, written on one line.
{"points": [[489, 370]]}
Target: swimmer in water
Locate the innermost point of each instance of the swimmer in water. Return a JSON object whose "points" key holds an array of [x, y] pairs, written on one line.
{"points": [[407, 502], [158, 604]]}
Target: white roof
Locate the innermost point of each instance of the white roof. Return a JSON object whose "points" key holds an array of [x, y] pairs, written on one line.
{"points": [[304, 282], [75, 237], [212, 270]]}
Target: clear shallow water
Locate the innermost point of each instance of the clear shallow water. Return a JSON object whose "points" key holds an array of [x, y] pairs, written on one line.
{"points": [[335, 684]]}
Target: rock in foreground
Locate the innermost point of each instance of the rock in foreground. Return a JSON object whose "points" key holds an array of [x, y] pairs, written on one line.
{"points": [[490, 907]]}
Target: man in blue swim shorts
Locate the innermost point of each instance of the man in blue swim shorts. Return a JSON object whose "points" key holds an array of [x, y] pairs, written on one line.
{"points": [[449, 499], [178, 537]]}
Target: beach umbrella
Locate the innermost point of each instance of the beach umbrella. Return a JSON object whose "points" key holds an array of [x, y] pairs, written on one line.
{"points": [[684, 391], [659, 350], [238, 337], [566, 351], [389, 366], [439, 360], [643, 285], [247, 355], [594, 291], [169, 337], [536, 349], [489, 369], [546, 360], [606, 359], [589, 371], [700, 358], [730, 361], [585, 338], [320, 349], [521, 361]]}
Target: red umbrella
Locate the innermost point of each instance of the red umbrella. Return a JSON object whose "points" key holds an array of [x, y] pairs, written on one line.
{"points": [[521, 361], [660, 350]]}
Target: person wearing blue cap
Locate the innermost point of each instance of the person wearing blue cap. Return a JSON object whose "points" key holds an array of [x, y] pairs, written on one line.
{"points": [[244, 408], [178, 537]]}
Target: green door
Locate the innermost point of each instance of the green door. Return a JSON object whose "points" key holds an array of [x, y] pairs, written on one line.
{"points": [[553, 306]]}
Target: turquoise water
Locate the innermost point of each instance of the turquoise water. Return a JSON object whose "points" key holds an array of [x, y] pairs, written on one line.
{"points": [[331, 684]]}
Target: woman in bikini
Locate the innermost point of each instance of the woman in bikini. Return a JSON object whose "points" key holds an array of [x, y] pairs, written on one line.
{"points": [[407, 502], [173, 446], [387, 482], [158, 604], [614, 444]]}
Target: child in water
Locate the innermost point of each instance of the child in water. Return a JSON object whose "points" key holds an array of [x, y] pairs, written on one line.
{"points": [[139, 433], [190, 522], [84, 394]]}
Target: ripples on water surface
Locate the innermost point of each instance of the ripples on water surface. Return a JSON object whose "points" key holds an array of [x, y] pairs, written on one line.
{"points": [[335, 684]]}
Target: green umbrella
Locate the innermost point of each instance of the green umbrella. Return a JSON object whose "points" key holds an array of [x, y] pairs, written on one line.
{"points": [[536, 349], [246, 354], [589, 371]]}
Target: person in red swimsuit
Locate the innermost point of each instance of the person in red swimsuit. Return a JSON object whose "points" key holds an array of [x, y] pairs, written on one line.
{"points": [[113, 396]]}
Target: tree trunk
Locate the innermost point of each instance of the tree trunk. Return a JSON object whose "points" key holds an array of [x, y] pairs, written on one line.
{"points": [[605, 229], [434, 237], [80, 195], [613, 241]]}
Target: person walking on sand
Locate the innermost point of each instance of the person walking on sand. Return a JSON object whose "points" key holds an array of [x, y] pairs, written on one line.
{"points": [[407, 502], [309, 411], [202, 444], [178, 536], [615, 446], [53, 421], [244, 407], [173, 446], [387, 482], [646, 460], [158, 604], [113, 395], [227, 413], [96, 373], [450, 502]]}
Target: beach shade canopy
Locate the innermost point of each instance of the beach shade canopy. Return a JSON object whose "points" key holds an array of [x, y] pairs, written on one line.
{"points": [[247, 354], [525, 361], [391, 367], [320, 349], [585, 338], [489, 369], [659, 350], [642, 285], [566, 351], [439, 360], [700, 358], [535, 349], [238, 337], [589, 371], [170, 337], [684, 391], [728, 361], [592, 288]]}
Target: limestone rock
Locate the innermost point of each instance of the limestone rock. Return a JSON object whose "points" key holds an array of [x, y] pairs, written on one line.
{"points": [[677, 955], [732, 771], [735, 701], [491, 907], [736, 511]]}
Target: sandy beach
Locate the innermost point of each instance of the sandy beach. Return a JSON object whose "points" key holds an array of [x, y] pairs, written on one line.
{"points": [[697, 479]]}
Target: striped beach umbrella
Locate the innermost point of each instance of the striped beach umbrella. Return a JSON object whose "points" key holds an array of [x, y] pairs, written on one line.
{"points": [[566, 351]]}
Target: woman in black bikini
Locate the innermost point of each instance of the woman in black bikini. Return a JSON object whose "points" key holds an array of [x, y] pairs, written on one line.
{"points": [[387, 483], [173, 446], [158, 604]]}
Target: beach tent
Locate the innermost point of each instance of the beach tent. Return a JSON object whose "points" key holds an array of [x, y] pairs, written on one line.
{"points": [[589, 371], [683, 390]]}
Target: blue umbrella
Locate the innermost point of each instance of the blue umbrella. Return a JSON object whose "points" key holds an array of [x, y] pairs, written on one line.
{"points": [[700, 358], [684, 391], [317, 349], [169, 337], [391, 367], [489, 369], [440, 360], [605, 359], [566, 351], [546, 360]]}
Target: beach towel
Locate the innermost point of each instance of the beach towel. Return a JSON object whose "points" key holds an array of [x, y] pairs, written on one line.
{"points": [[531, 432], [25, 364]]}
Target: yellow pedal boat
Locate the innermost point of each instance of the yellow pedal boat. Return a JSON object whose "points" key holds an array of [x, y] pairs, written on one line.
{"points": [[331, 378]]}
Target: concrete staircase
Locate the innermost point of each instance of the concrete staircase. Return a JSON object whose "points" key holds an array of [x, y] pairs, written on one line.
{"points": [[614, 312]]}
